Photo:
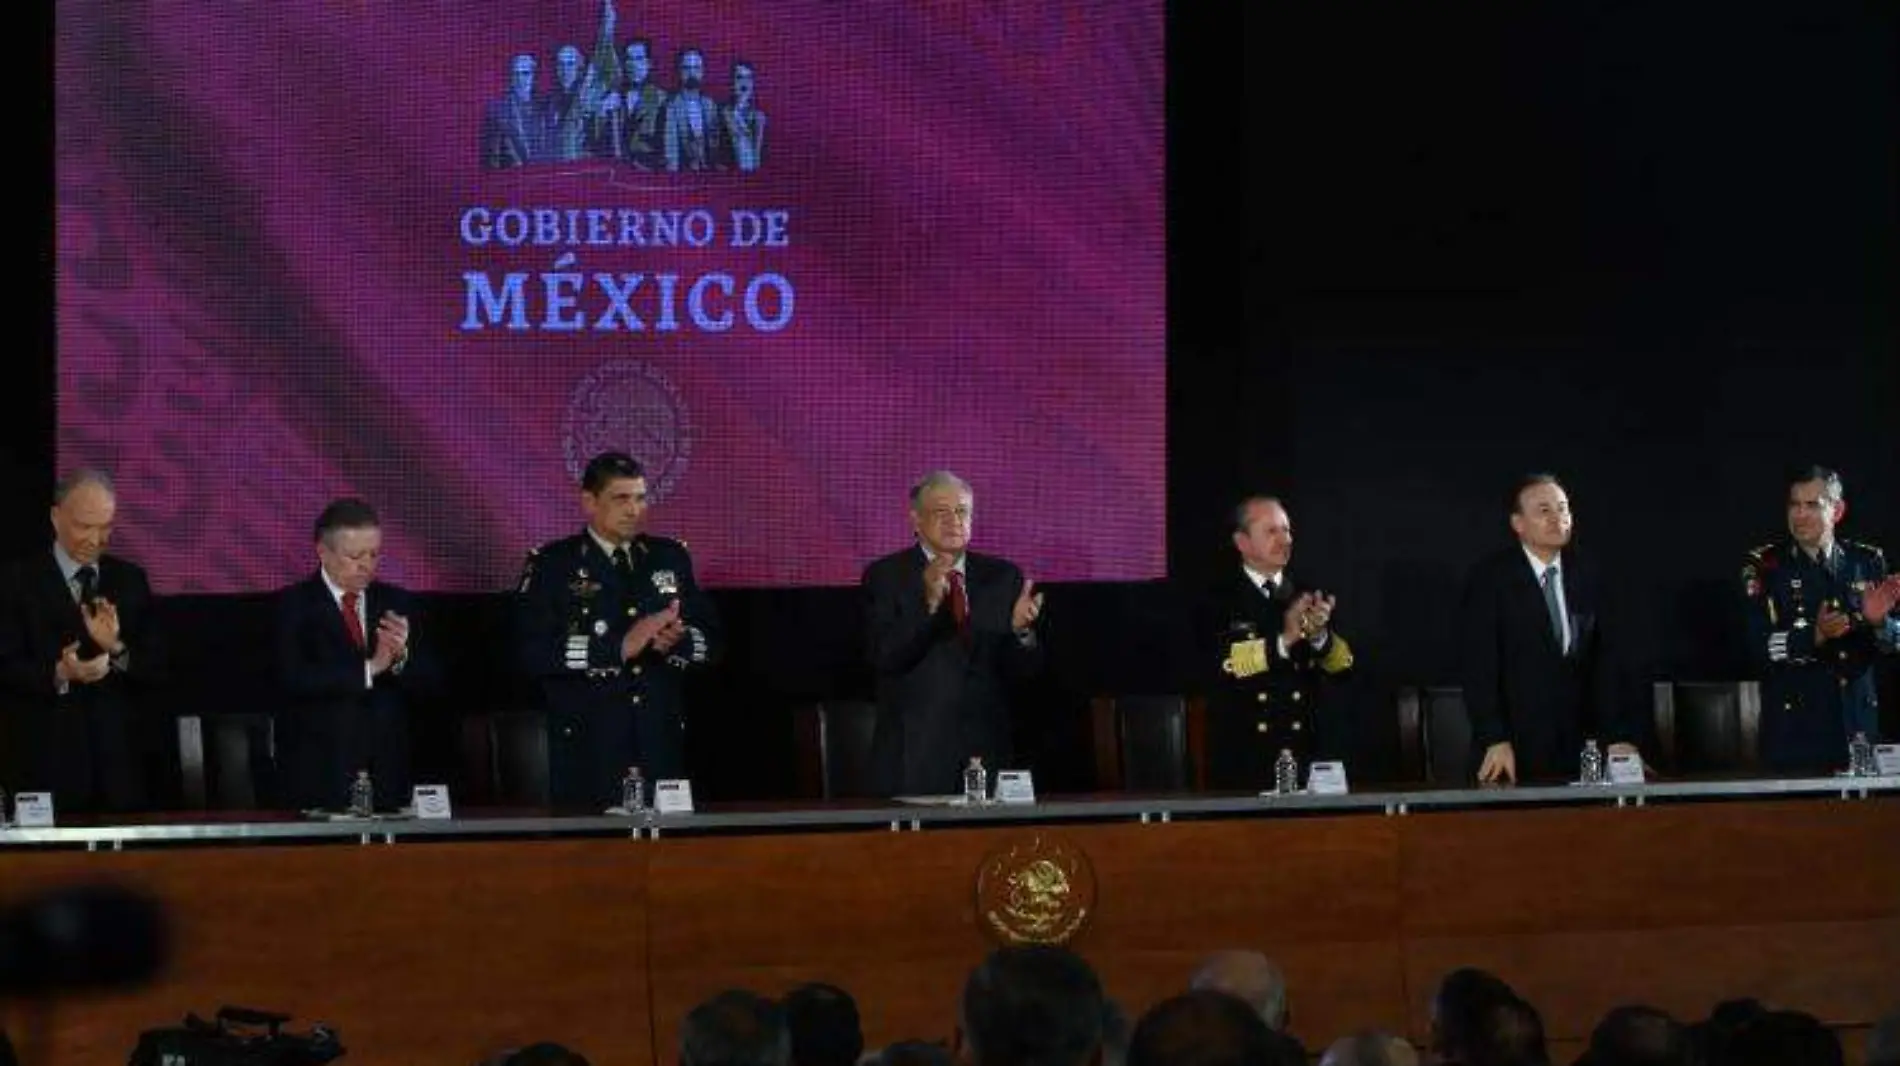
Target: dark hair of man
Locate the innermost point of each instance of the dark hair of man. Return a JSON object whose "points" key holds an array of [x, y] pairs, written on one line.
{"points": [[735, 1028], [1713, 1038], [1639, 1036], [745, 65], [1514, 503], [1464, 998], [545, 1055], [1245, 507], [608, 467], [1206, 1028], [1785, 1038], [1883, 1044], [347, 513], [824, 1024], [1830, 480], [1032, 1006], [915, 1053], [1510, 1033]]}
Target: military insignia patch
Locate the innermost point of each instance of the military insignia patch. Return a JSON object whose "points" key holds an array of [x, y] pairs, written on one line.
{"points": [[666, 583]]}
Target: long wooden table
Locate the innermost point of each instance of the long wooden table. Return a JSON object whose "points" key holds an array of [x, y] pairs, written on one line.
{"points": [[429, 943]]}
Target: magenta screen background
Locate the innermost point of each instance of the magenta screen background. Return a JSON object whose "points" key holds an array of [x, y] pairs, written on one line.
{"points": [[261, 287]]}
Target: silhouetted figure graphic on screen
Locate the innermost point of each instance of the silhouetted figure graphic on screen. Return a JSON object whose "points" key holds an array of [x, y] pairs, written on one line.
{"points": [[511, 128], [564, 108], [631, 116], [692, 119], [744, 123]]}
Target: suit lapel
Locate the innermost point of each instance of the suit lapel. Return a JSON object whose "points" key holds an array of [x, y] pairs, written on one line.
{"points": [[1530, 595], [59, 596]]}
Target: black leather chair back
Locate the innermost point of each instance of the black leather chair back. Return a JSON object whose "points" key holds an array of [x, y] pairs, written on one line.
{"points": [[228, 761]]}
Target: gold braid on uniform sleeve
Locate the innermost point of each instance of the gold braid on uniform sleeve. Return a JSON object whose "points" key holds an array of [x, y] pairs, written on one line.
{"points": [[1338, 657]]}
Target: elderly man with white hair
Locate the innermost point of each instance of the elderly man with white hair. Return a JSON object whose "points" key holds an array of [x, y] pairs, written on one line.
{"points": [[949, 629]]}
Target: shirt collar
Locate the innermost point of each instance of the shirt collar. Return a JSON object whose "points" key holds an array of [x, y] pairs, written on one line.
{"points": [[336, 590], [931, 557], [68, 566], [1538, 566], [606, 546], [1261, 580]]}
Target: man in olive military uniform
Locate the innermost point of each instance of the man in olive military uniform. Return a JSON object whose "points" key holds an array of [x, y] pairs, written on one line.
{"points": [[1275, 650], [1819, 610], [610, 621]]}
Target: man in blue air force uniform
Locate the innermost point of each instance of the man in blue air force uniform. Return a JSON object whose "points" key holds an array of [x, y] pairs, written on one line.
{"points": [[610, 621], [1819, 610]]}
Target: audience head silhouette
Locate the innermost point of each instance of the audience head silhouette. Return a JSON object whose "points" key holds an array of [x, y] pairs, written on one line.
{"points": [[735, 1029], [823, 1020], [1639, 1036], [1785, 1038], [1370, 1048], [1032, 1006], [1249, 977], [1207, 1028]]}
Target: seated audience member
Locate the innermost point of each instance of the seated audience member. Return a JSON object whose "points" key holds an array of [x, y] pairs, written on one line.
{"points": [[824, 1024], [1458, 1008], [1714, 1038], [1256, 981], [1639, 1036], [1785, 1038], [1370, 1049], [545, 1055], [735, 1028], [1883, 1045], [915, 1053], [1207, 1028], [1031, 1006], [1510, 1034], [1116, 1029]]}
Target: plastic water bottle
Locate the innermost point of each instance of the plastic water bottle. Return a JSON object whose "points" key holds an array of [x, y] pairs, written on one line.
{"points": [[633, 792], [362, 795], [1860, 757], [976, 783], [1590, 764], [1286, 773]]}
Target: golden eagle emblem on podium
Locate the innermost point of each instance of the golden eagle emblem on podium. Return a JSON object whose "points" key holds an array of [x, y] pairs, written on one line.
{"points": [[1037, 891]]}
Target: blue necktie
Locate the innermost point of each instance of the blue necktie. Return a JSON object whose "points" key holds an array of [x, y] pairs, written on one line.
{"points": [[1551, 577]]}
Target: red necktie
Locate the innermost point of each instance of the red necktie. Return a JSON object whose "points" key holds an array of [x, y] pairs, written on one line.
{"points": [[351, 623], [960, 606]]}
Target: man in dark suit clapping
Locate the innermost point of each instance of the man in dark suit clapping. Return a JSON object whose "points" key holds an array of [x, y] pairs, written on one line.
{"points": [[948, 630], [1540, 663], [76, 647], [349, 664]]}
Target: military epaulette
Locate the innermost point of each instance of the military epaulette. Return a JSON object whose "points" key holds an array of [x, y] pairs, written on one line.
{"points": [[1766, 557], [527, 570], [1855, 545]]}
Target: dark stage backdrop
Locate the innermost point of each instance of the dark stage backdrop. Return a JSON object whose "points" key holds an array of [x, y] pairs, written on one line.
{"points": [[1409, 257]]}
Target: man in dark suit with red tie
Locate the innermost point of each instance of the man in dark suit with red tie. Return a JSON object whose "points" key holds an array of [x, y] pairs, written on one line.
{"points": [[349, 664], [1541, 670], [77, 651], [948, 631]]}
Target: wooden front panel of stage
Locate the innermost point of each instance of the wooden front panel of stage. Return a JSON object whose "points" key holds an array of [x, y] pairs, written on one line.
{"points": [[426, 953]]}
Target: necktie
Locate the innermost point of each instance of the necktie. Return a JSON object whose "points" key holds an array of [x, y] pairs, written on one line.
{"points": [[87, 578], [960, 606], [1551, 577], [352, 624], [623, 562]]}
